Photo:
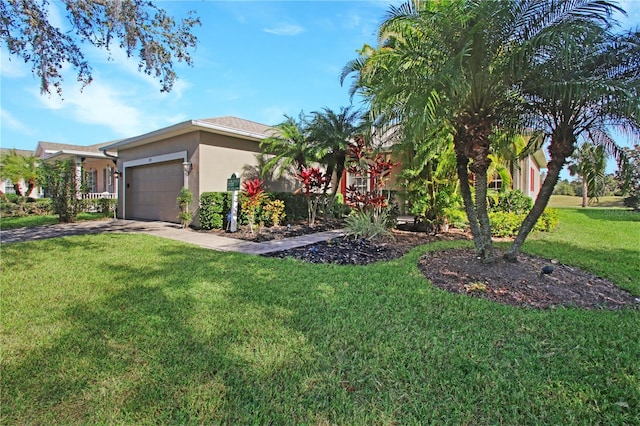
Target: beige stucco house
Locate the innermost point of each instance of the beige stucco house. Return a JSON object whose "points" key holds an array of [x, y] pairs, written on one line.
{"points": [[198, 154], [96, 166]]}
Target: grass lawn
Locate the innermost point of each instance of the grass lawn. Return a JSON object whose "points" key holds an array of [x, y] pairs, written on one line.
{"points": [[31, 221], [572, 201], [125, 329]]}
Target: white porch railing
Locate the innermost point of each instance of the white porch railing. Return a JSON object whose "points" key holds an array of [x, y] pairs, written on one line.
{"points": [[98, 195]]}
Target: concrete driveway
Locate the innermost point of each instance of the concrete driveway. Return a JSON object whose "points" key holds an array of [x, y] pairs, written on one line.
{"points": [[171, 231]]}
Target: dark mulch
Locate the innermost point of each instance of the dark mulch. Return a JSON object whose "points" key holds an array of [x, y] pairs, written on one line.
{"points": [[458, 271], [523, 283]]}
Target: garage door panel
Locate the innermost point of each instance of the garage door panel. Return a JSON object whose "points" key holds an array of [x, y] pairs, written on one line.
{"points": [[152, 191]]}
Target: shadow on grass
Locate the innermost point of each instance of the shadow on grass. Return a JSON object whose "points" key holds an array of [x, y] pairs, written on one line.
{"points": [[148, 351], [616, 215], [216, 338]]}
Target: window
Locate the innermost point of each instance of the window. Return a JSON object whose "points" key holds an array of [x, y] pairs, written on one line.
{"points": [[496, 183], [107, 178], [360, 183], [91, 180], [8, 187]]}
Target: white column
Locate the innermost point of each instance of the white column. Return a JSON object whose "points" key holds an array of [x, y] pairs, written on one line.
{"points": [[78, 178]]}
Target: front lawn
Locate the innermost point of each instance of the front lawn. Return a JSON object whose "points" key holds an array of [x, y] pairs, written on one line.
{"points": [[133, 329], [36, 220]]}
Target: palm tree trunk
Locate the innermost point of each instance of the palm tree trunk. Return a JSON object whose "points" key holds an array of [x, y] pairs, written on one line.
{"points": [[585, 191], [487, 252], [553, 174], [462, 163]]}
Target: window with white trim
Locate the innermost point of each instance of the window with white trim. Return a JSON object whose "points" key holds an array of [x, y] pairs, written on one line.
{"points": [[91, 180]]}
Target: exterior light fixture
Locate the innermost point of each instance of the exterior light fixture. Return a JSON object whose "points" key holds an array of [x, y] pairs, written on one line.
{"points": [[186, 167]]}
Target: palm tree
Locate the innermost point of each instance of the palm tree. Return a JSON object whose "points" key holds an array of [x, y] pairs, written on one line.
{"points": [[16, 168], [580, 86], [588, 162], [459, 66], [332, 133], [290, 146]]}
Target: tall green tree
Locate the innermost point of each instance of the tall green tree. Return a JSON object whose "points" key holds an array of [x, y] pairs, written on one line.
{"points": [[139, 27], [629, 176], [585, 82], [588, 162], [332, 133], [460, 65], [291, 146], [17, 168], [61, 182]]}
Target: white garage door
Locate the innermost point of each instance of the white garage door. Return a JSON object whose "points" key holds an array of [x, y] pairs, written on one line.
{"points": [[151, 191]]}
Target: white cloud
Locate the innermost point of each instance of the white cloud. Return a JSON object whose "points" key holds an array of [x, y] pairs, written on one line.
{"points": [[9, 121], [102, 105], [285, 29]]}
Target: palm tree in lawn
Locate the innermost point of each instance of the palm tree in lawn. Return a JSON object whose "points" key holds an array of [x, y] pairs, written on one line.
{"points": [[458, 66], [581, 86], [291, 146], [588, 162], [332, 133]]}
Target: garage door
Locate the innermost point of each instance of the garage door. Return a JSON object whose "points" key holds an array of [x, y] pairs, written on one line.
{"points": [[151, 191]]}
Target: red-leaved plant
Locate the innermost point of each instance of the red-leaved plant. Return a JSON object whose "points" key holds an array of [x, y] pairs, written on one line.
{"points": [[252, 196], [365, 164], [313, 180]]}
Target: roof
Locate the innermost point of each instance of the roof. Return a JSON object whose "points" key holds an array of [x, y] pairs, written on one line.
{"points": [[228, 125], [21, 152], [53, 149]]}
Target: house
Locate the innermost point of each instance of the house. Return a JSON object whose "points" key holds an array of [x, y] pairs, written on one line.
{"points": [[96, 166], [197, 154], [527, 177]]}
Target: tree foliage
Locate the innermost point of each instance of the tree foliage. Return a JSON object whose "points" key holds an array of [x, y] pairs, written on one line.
{"points": [[589, 162], [61, 182], [630, 177], [17, 168], [482, 70], [138, 27]]}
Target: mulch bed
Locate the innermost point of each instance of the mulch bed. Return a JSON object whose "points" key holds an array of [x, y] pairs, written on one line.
{"points": [[458, 271]]}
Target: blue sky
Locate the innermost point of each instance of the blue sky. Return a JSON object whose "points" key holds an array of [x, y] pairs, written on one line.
{"points": [[256, 60]]}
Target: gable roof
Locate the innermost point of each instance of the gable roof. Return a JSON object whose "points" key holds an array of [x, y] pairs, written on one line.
{"points": [[20, 152], [228, 125], [47, 150]]}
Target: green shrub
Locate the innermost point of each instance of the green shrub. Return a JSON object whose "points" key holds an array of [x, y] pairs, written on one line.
{"points": [[367, 224], [107, 206], [213, 209], [548, 220], [273, 212], [507, 224], [12, 198], [184, 200], [510, 201], [295, 205]]}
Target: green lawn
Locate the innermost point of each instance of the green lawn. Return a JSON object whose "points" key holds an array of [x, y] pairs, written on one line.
{"points": [[31, 221], [133, 329], [572, 201]]}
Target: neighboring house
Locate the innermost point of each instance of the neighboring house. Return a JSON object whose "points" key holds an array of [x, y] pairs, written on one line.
{"points": [[8, 186], [198, 154], [527, 177], [97, 167]]}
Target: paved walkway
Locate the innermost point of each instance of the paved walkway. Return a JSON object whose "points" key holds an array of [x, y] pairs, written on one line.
{"points": [[165, 230]]}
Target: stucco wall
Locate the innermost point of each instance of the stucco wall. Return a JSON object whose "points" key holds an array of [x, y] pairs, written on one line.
{"points": [[187, 142]]}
